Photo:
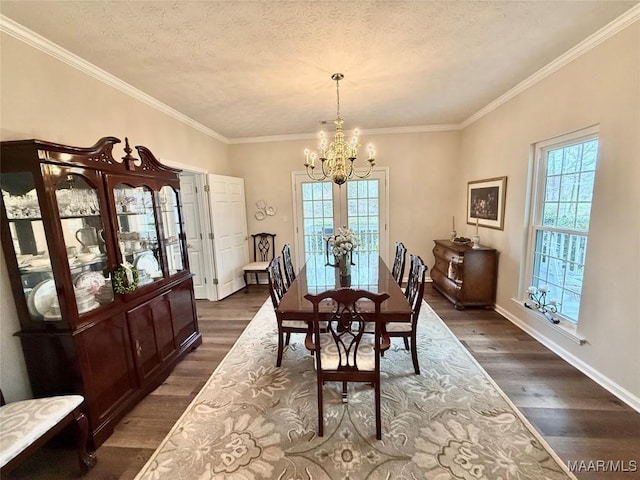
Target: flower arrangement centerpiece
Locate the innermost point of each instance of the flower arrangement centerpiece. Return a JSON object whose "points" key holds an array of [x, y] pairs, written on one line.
{"points": [[342, 245]]}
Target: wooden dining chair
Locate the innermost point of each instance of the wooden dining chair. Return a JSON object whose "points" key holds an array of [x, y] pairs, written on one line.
{"points": [[277, 290], [289, 271], [414, 293], [345, 352], [264, 250], [399, 263]]}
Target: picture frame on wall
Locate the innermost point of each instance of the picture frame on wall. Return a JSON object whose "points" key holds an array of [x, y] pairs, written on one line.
{"points": [[485, 202]]}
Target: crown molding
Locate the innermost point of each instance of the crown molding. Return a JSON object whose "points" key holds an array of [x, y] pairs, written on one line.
{"points": [[38, 42], [623, 21], [372, 131]]}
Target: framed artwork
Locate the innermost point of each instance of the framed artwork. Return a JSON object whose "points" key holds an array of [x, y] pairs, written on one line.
{"points": [[485, 202]]}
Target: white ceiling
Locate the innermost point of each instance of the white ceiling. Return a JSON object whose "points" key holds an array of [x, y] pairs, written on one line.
{"points": [[263, 68]]}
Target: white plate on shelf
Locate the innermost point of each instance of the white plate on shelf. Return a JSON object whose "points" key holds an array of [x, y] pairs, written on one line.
{"points": [[50, 317], [41, 297], [147, 262], [93, 306], [92, 281]]}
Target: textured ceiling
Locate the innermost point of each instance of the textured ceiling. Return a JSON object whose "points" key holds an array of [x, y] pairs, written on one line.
{"points": [[262, 68]]}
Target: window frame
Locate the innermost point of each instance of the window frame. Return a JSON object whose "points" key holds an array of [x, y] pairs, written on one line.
{"points": [[537, 200]]}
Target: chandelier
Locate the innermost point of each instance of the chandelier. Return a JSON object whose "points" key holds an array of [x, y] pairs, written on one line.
{"points": [[337, 160]]}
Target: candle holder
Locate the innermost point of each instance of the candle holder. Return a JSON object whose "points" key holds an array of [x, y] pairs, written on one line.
{"points": [[454, 234], [538, 301], [476, 242]]}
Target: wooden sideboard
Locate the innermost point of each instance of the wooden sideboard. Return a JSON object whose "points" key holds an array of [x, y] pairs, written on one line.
{"points": [[466, 276]]}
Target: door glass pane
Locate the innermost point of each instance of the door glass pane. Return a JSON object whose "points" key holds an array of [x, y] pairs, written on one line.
{"points": [[137, 231], [363, 207], [172, 229], [22, 209], [83, 231], [317, 208]]}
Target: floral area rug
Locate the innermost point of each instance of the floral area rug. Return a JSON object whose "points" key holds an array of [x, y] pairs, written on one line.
{"points": [[254, 421]]}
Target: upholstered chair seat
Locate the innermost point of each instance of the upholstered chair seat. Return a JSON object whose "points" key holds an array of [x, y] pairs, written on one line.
{"points": [[28, 424]]}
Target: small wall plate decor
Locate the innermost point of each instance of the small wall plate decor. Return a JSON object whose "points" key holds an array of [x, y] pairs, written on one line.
{"points": [[264, 210]]}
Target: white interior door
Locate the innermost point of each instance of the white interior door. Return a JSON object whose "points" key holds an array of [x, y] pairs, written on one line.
{"points": [[322, 207], [229, 222], [196, 233]]}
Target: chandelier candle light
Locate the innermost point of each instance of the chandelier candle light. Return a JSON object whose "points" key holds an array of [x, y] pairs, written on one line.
{"points": [[337, 159], [538, 299], [476, 238]]}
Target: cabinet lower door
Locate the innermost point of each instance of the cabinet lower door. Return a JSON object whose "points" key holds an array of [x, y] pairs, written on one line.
{"points": [[108, 370], [183, 312], [151, 331]]}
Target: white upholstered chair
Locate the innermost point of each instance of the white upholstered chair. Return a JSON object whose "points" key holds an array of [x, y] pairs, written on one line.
{"points": [[27, 425]]}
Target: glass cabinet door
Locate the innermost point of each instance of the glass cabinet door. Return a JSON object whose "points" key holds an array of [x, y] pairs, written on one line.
{"points": [[27, 234], [138, 231], [172, 229], [83, 234]]}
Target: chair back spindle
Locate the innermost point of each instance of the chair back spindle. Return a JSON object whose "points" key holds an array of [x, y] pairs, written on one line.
{"points": [[289, 271], [263, 247], [277, 288], [399, 262]]}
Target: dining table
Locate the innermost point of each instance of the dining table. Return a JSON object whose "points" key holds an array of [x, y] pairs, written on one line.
{"points": [[368, 272]]}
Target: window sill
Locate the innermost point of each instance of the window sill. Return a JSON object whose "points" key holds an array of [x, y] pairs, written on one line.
{"points": [[564, 328]]}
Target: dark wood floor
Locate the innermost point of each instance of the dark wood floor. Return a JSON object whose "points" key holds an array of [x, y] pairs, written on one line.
{"points": [[579, 419]]}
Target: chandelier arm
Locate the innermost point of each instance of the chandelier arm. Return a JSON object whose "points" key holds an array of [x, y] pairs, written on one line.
{"points": [[364, 175], [325, 172], [313, 177], [349, 168]]}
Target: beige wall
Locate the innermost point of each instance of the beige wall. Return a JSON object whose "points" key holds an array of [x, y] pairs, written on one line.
{"points": [[601, 87], [44, 98], [423, 168]]}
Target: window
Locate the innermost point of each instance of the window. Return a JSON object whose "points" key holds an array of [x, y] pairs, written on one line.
{"points": [[565, 172]]}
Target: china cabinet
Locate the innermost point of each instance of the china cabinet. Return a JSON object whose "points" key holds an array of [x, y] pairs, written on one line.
{"points": [[96, 256], [465, 275]]}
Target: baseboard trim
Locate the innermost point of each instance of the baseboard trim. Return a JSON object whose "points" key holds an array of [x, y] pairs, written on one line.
{"points": [[602, 380]]}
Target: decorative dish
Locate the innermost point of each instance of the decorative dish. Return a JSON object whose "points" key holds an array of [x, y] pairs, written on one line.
{"points": [[260, 215], [41, 298], [147, 262], [462, 240], [92, 281], [271, 211], [260, 204]]}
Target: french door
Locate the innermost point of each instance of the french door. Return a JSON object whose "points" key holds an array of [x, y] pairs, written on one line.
{"points": [[320, 208]]}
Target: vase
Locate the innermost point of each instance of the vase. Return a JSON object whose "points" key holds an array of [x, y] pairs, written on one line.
{"points": [[343, 264]]}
